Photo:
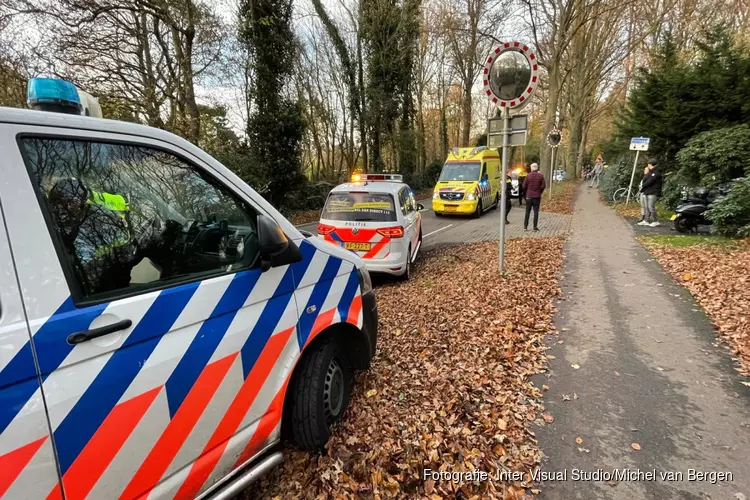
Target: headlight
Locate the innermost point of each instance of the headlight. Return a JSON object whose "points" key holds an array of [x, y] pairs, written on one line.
{"points": [[435, 196], [365, 282], [471, 196]]}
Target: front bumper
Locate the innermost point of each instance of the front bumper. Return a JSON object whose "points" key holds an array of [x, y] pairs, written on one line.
{"points": [[464, 207], [370, 322]]}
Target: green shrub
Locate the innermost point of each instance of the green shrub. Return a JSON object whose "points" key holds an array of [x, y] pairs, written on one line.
{"points": [[716, 157], [432, 173], [617, 176], [731, 214]]}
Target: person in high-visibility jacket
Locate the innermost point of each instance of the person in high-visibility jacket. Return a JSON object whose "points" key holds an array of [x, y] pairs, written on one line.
{"points": [[96, 234]]}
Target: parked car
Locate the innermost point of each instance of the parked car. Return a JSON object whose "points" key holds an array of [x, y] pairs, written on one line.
{"points": [[377, 217]]}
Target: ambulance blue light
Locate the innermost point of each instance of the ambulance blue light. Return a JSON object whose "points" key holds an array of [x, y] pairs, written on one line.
{"points": [[45, 91]]}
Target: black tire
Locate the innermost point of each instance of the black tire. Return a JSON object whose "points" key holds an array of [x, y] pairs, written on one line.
{"points": [[683, 225], [407, 272], [320, 395], [438, 214], [478, 212]]}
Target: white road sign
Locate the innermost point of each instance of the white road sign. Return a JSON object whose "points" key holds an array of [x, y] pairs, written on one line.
{"points": [[639, 143]]}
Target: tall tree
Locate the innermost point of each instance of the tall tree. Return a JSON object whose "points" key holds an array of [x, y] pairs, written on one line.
{"points": [[275, 128]]}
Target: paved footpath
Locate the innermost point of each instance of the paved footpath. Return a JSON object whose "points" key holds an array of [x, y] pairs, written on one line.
{"points": [[650, 372]]}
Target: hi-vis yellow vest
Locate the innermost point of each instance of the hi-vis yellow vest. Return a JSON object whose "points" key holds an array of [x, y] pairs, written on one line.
{"points": [[115, 203]]}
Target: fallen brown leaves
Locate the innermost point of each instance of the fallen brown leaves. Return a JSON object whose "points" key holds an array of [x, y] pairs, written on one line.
{"points": [[562, 198], [629, 210], [449, 389], [304, 217], [719, 279]]}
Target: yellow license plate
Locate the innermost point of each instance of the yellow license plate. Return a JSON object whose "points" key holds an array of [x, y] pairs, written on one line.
{"points": [[673, 217], [449, 208], [360, 247]]}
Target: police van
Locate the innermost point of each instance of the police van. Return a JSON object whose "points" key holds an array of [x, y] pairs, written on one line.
{"points": [[162, 326]]}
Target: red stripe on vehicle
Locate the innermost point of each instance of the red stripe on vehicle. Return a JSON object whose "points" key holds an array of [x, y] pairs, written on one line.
{"points": [[322, 321], [376, 248], [267, 424], [217, 444], [104, 445], [354, 310], [12, 463], [178, 429], [362, 236]]}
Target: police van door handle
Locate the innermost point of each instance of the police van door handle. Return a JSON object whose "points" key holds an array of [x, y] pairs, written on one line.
{"points": [[78, 337]]}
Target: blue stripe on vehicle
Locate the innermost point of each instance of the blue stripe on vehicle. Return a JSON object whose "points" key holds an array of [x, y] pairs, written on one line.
{"points": [[336, 237], [118, 373], [52, 348], [208, 338], [317, 298], [352, 285], [267, 322]]}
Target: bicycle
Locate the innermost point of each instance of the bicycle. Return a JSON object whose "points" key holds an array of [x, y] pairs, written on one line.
{"points": [[622, 194]]}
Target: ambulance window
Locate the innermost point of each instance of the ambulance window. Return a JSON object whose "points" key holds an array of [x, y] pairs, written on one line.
{"points": [[359, 207], [130, 218]]}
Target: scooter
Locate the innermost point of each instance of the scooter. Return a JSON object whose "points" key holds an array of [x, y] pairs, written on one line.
{"points": [[691, 213]]}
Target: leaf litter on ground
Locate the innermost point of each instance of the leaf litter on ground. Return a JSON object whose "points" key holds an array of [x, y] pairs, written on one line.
{"points": [[470, 403], [719, 279]]}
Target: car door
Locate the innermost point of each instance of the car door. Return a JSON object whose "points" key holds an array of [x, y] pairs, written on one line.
{"points": [[410, 219], [161, 343], [417, 219], [27, 460], [484, 187]]}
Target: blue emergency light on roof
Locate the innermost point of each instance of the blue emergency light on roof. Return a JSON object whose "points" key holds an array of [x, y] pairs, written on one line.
{"points": [[53, 94]]}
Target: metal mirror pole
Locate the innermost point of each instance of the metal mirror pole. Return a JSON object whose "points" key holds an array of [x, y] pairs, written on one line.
{"points": [[551, 172], [632, 176], [504, 192]]}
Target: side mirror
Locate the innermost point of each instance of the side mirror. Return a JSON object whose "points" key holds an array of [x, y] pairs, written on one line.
{"points": [[275, 248], [420, 207]]}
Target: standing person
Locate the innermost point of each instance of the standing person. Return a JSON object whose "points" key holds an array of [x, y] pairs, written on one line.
{"points": [[642, 199], [521, 178], [533, 186], [596, 174], [651, 190]]}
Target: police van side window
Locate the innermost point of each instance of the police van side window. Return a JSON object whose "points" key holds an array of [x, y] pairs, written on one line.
{"points": [[129, 218]]}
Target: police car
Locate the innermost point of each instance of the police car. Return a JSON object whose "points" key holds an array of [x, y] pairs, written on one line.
{"points": [[376, 217], [162, 324]]}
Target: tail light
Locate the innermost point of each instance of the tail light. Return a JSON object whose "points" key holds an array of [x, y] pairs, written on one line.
{"points": [[392, 232], [325, 229]]}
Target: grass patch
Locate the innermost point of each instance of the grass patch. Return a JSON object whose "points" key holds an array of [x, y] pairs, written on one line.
{"points": [[689, 240]]}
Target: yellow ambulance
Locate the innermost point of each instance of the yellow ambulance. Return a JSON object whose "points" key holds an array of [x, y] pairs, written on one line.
{"points": [[469, 182]]}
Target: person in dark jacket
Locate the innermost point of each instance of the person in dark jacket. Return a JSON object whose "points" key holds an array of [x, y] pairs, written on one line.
{"points": [[508, 196], [533, 187], [651, 188]]}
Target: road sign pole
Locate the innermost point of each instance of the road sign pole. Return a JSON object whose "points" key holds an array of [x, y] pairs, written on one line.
{"points": [[504, 192], [632, 176], [551, 173]]}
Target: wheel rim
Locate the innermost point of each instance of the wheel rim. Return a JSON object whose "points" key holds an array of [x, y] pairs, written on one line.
{"points": [[333, 392]]}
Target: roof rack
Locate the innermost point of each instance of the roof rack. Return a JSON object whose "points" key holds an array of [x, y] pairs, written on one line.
{"points": [[377, 178]]}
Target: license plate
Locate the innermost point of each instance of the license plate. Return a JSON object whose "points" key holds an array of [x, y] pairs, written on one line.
{"points": [[360, 247], [673, 217], [449, 208]]}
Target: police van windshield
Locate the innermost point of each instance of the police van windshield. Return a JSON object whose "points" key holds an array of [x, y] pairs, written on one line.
{"points": [[360, 207], [460, 171]]}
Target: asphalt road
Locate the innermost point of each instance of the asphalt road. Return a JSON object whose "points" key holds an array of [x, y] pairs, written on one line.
{"points": [[451, 230], [432, 226]]}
